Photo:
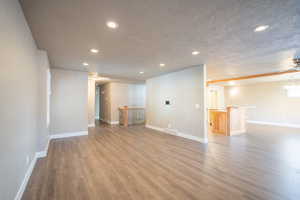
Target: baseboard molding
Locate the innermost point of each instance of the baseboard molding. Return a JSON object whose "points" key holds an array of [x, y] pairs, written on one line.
{"points": [[91, 125], [274, 124], [66, 135], [110, 122], [26, 179], [191, 137], [232, 133], [42, 154], [176, 133], [154, 128]]}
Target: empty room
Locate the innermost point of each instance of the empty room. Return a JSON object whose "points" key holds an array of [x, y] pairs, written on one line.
{"points": [[150, 100]]}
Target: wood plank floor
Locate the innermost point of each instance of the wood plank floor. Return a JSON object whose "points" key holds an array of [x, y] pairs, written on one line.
{"points": [[136, 163]]}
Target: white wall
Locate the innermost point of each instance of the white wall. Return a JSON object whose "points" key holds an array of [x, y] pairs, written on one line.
{"points": [[105, 103], [215, 97], [269, 99], [115, 95], [21, 101], [137, 95], [43, 67], [69, 101], [97, 103], [184, 89], [91, 102]]}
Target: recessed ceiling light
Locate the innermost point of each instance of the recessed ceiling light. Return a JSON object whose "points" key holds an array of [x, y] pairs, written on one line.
{"points": [[94, 50], [141, 72], [195, 52], [85, 64], [111, 24], [231, 83], [162, 64], [261, 28]]}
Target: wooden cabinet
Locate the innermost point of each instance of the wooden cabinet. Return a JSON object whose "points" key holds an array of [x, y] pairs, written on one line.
{"points": [[231, 121], [218, 121]]}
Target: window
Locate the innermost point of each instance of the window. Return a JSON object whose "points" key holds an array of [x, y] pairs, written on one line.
{"points": [[293, 91]]}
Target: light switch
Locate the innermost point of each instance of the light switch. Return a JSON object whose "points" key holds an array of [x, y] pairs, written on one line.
{"points": [[197, 106]]}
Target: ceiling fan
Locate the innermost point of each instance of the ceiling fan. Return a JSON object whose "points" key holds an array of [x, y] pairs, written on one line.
{"points": [[297, 65]]}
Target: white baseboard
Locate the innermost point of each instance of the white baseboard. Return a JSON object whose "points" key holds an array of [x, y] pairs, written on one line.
{"points": [[154, 128], [237, 132], [91, 125], [174, 132], [191, 137], [110, 122], [42, 154], [66, 135], [26, 179], [274, 124]]}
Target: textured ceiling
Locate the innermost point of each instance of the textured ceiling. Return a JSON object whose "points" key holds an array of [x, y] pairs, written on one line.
{"points": [[167, 31]]}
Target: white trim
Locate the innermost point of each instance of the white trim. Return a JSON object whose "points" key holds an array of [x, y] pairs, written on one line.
{"points": [[154, 128], [274, 124], [191, 137], [91, 125], [239, 132], [26, 179], [205, 106], [176, 133], [170, 131], [110, 122], [42, 154], [66, 135]]}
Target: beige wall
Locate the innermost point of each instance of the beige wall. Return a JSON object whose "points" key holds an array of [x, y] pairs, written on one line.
{"points": [[269, 99], [20, 110], [97, 103], [184, 89], [91, 102], [69, 101], [43, 67], [115, 95], [215, 97], [105, 103]]}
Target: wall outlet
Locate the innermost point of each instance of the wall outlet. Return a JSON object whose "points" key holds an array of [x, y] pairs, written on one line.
{"points": [[197, 106]]}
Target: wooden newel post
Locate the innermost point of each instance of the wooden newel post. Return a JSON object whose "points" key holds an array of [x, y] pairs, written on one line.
{"points": [[125, 116], [228, 113]]}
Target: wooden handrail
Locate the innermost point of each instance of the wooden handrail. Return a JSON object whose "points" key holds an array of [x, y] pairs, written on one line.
{"points": [[252, 76]]}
